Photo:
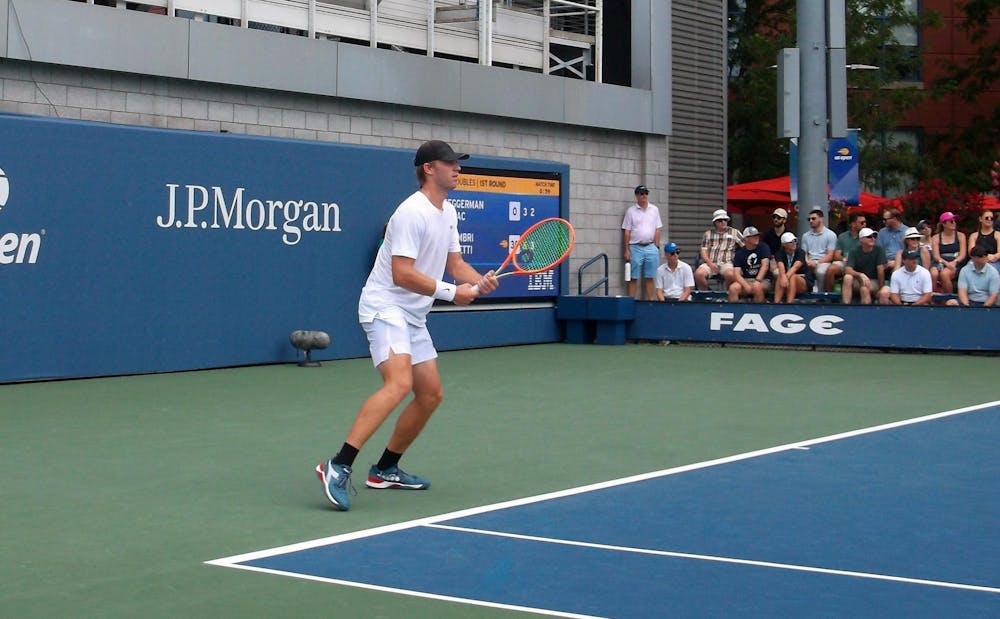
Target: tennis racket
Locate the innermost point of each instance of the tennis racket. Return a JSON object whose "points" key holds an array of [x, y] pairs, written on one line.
{"points": [[540, 248]]}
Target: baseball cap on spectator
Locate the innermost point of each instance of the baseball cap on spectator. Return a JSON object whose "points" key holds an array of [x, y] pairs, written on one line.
{"points": [[867, 232], [912, 233], [788, 237], [923, 223], [780, 212], [720, 214], [641, 189], [751, 231], [978, 251], [671, 248], [911, 254], [946, 216]]}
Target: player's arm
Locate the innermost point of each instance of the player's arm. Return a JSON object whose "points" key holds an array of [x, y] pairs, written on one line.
{"points": [[463, 272], [405, 275]]}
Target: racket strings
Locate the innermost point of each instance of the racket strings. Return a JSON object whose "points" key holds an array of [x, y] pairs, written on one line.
{"points": [[543, 246]]}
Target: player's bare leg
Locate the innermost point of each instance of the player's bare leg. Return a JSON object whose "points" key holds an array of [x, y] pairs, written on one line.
{"points": [[397, 383], [427, 396]]}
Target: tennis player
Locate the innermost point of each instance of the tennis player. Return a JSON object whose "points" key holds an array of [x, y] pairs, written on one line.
{"points": [[421, 243]]}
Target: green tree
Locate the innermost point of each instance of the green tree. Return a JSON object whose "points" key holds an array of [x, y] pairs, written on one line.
{"points": [[877, 98], [964, 156], [758, 29]]}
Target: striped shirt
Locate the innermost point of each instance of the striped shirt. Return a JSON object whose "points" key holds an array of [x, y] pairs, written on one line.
{"points": [[721, 246]]}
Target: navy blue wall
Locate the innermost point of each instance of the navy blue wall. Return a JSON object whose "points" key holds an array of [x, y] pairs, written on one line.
{"points": [[927, 328], [100, 276]]}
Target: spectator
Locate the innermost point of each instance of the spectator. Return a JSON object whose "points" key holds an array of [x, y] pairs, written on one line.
{"points": [[988, 237], [924, 228], [865, 271], [948, 251], [642, 227], [912, 241], [750, 268], [674, 278], [890, 237], [978, 285], [789, 282], [818, 244], [772, 238], [911, 285], [718, 245], [847, 241]]}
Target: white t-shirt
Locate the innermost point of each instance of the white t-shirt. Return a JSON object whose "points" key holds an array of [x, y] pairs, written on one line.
{"points": [[416, 230], [673, 283], [910, 286]]}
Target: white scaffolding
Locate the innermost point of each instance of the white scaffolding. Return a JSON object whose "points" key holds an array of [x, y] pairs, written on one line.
{"points": [[561, 37]]}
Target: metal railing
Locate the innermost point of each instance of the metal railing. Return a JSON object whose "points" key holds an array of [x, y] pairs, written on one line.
{"points": [[595, 285]]}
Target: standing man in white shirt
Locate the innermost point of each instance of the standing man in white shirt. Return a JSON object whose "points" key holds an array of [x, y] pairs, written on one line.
{"points": [[421, 243], [642, 226]]}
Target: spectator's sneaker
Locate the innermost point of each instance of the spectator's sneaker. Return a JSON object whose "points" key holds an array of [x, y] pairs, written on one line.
{"points": [[395, 478], [336, 480]]}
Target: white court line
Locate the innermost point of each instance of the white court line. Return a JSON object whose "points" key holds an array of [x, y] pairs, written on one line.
{"points": [[718, 559], [413, 593], [235, 560]]}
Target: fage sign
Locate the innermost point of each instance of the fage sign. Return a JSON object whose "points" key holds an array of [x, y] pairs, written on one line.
{"points": [[824, 324]]}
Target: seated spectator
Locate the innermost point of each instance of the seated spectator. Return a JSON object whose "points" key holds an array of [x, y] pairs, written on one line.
{"points": [[978, 284], [911, 285], [987, 236], [818, 244], [718, 245], [948, 251], [772, 238], [674, 278], [790, 282], [911, 240], [750, 268], [865, 271], [847, 241], [890, 237]]}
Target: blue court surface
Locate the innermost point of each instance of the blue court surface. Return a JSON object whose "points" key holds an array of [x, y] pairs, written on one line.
{"points": [[901, 520]]}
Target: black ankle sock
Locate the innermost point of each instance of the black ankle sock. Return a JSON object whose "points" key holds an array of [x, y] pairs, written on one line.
{"points": [[346, 455], [389, 459]]}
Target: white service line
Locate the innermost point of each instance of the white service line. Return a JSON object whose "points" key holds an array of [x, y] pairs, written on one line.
{"points": [[718, 559]]}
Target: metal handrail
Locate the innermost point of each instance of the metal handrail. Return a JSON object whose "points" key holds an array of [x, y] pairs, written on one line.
{"points": [[604, 280]]}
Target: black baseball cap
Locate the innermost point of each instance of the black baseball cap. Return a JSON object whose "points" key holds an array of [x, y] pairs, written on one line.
{"points": [[436, 150], [911, 254], [641, 189]]}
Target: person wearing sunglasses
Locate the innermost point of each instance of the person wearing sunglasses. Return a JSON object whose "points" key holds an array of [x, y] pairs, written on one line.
{"points": [[819, 244], [978, 285], [988, 238], [890, 237], [948, 249]]}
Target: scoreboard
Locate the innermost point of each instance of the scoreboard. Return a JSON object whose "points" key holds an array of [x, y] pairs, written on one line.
{"points": [[494, 207]]}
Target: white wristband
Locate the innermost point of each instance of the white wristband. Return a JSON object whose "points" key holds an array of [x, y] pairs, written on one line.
{"points": [[444, 291]]}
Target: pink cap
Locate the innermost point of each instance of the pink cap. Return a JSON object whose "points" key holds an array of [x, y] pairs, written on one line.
{"points": [[947, 216]]}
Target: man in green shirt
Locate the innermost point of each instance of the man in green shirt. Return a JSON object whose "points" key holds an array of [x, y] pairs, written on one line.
{"points": [[865, 270]]}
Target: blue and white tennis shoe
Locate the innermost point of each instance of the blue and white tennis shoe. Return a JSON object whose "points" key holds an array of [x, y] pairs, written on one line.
{"points": [[395, 477], [336, 479]]}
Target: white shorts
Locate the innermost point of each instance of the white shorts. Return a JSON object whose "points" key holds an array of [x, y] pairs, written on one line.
{"points": [[402, 338]]}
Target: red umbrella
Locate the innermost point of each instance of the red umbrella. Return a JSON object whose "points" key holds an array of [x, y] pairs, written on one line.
{"points": [[991, 203]]}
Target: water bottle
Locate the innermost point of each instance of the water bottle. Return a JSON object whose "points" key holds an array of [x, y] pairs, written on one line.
{"points": [[628, 271]]}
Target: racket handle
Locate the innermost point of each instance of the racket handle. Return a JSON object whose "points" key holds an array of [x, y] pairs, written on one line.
{"points": [[475, 288]]}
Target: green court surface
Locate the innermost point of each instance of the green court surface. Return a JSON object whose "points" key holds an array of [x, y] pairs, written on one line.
{"points": [[115, 491]]}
